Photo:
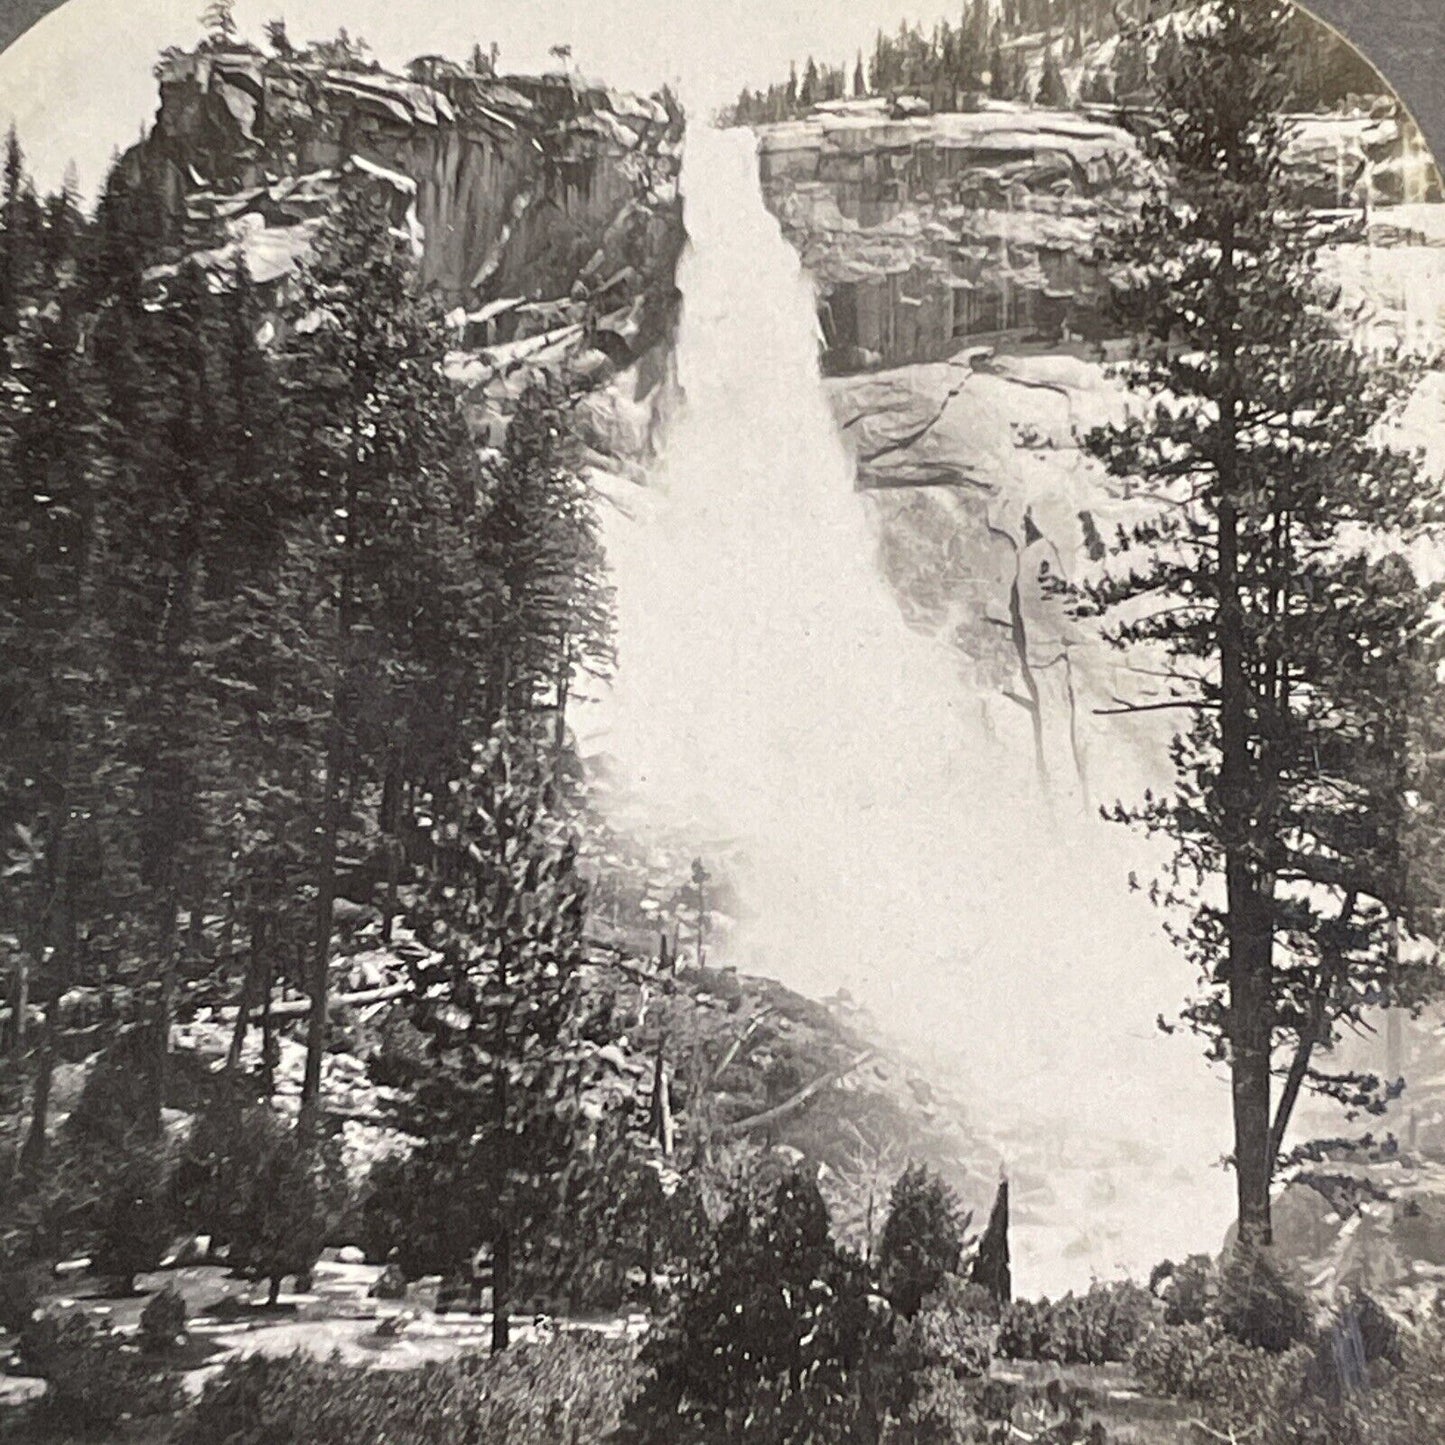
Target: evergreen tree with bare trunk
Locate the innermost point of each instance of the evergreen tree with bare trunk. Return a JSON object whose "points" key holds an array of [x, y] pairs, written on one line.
{"points": [[1263, 570]]}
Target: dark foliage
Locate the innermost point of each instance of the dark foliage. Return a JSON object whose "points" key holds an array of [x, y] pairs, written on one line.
{"points": [[246, 1179], [93, 1376], [922, 1239], [558, 1392], [163, 1321], [1188, 1289], [1260, 1305], [776, 1341], [134, 1219], [1097, 1328]]}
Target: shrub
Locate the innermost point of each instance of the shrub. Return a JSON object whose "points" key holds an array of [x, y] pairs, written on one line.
{"points": [[778, 1329], [1183, 1361], [1201, 1365], [1259, 1304], [163, 1321], [948, 1332], [554, 1392], [922, 1239], [119, 1091], [19, 1295], [1188, 1289], [227, 1142], [409, 1210], [1097, 1328], [134, 1221], [947, 1410], [93, 1376], [401, 1054], [287, 1206], [244, 1179]]}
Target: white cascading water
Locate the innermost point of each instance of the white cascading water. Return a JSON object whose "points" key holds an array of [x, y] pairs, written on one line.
{"points": [[770, 693]]}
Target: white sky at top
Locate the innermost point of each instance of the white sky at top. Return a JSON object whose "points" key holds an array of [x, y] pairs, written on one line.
{"points": [[79, 84]]}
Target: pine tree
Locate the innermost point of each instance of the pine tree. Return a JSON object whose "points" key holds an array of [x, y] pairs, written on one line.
{"points": [[52, 698], [374, 427], [18, 224], [808, 91], [219, 22], [1018, 76], [551, 609], [860, 83], [1297, 652], [998, 79], [164, 523], [1131, 68], [1053, 93], [499, 1105], [922, 1239], [991, 1264]]}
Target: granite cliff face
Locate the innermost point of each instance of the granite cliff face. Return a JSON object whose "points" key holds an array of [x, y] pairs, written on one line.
{"points": [[965, 346], [927, 233], [543, 209], [966, 353]]}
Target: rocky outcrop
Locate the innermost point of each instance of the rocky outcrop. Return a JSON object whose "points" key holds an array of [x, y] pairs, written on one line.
{"points": [[967, 348], [543, 209], [928, 233]]}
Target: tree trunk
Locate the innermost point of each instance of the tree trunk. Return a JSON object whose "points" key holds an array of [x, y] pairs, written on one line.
{"points": [[325, 909], [268, 1028], [1250, 1006], [273, 1292], [32, 1154], [260, 926], [563, 685], [390, 825], [22, 1006], [501, 1291], [167, 946], [58, 925], [1249, 929]]}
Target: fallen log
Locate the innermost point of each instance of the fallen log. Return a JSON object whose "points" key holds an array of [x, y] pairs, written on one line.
{"points": [[297, 1007], [796, 1101]]}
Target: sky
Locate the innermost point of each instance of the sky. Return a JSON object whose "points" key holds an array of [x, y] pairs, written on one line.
{"points": [[79, 85]]}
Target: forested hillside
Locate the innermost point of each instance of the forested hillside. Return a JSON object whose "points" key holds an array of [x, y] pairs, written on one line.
{"points": [[314, 935], [1051, 53]]}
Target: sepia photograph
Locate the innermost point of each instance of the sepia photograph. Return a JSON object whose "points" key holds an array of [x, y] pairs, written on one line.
{"points": [[721, 727]]}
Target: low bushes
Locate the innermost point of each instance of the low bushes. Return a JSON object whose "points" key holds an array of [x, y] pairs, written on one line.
{"points": [[1188, 1290], [163, 1321], [1199, 1364], [939, 1361], [1365, 1382], [557, 1392], [1259, 1304], [1098, 1328], [953, 1331], [93, 1376]]}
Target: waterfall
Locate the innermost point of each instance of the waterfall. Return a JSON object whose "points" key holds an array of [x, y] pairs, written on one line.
{"points": [[771, 698]]}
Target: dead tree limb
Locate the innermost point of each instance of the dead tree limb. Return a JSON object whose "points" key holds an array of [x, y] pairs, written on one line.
{"points": [[796, 1101]]}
